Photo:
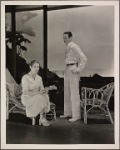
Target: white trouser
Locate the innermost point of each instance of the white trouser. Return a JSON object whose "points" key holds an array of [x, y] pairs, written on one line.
{"points": [[71, 94]]}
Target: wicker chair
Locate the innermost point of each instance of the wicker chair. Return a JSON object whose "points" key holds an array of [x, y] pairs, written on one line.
{"points": [[96, 98], [14, 105]]}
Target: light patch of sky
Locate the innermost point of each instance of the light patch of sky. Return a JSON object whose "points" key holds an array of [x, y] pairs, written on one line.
{"points": [[93, 30]]}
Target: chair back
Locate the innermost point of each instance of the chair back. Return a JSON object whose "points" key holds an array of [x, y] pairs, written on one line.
{"points": [[107, 91], [10, 87], [90, 95]]}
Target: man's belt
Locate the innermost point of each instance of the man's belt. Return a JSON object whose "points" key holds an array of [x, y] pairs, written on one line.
{"points": [[72, 64]]}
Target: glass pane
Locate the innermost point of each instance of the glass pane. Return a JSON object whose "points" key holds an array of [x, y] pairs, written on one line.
{"points": [[30, 24], [8, 35], [93, 31], [29, 41]]}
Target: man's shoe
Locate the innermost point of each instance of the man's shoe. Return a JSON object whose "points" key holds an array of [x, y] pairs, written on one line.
{"points": [[63, 116], [74, 119]]}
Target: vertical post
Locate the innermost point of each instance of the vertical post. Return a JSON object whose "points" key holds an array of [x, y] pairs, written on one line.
{"points": [[45, 41], [13, 39]]}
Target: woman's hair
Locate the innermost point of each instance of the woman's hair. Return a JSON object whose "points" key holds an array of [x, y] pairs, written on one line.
{"points": [[33, 62]]}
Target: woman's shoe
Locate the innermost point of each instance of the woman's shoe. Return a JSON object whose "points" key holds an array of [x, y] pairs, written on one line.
{"points": [[44, 123]]}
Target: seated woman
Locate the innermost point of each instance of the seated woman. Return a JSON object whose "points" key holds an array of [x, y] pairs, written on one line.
{"points": [[34, 96]]}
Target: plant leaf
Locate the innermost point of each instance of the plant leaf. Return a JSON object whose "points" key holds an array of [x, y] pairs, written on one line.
{"points": [[26, 40], [23, 48]]}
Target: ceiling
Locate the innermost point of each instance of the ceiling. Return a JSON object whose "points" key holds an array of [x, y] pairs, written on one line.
{"points": [[8, 8]]}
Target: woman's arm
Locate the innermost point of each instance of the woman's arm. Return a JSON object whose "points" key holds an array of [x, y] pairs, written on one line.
{"points": [[26, 89], [31, 92]]}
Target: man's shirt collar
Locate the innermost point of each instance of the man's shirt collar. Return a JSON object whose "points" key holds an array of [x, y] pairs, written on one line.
{"points": [[70, 43]]}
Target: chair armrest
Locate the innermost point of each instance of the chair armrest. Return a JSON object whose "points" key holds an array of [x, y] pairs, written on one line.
{"points": [[87, 88]]}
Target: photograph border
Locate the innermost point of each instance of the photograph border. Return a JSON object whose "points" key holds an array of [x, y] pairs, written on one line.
{"points": [[116, 76]]}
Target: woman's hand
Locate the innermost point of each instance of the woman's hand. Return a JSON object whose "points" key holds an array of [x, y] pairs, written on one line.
{"points": [[42, 92], [52, 87], [47, 89]]}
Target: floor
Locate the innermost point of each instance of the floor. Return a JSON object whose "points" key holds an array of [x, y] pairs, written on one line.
{"points": [[97, 131]]}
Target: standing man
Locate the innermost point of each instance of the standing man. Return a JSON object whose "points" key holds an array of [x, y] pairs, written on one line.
{"points": [[75, 61]]}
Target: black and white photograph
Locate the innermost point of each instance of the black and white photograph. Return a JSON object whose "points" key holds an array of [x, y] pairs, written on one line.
{"points": [[59, 75]]}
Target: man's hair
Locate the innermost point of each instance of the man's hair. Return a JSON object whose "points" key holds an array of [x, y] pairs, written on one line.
{"points": [[68, 33]]}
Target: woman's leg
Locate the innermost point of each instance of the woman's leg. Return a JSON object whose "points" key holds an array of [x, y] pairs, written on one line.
{"points": [[43, 121]]}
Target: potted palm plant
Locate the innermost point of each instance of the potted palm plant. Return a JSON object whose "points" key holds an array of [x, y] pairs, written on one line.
{"points": [[21, 40]]}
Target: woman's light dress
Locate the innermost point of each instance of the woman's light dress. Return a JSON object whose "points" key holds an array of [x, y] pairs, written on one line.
{"points": [[37, 103]]}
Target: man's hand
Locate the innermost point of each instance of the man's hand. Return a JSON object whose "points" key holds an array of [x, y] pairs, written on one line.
{"points": [[75, 70]]}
